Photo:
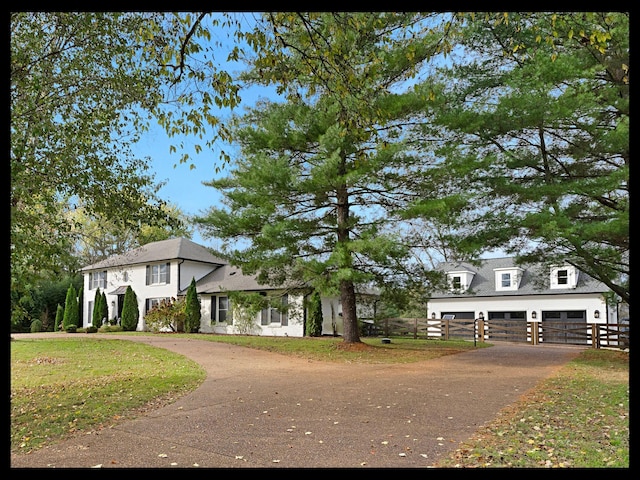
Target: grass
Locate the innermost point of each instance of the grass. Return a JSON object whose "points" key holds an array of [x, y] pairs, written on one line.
{"points": [[578, 418], [333, 349], [67, 385]]}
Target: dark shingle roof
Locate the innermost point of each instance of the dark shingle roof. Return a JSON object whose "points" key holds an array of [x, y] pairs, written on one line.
{"points": [[535, 280], [172, 249], [228, 278]]}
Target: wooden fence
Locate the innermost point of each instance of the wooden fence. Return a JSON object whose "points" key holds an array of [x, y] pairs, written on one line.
{"points": [[576, 333]]}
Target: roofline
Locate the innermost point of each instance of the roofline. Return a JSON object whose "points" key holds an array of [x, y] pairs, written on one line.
{"points": [[86, 269], [517, 294]]}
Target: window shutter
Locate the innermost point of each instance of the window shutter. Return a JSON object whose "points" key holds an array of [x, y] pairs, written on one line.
{"points": [[90, 281], [148, 281], [213, 308], [105, 280], [168, 272], [285, 313]]}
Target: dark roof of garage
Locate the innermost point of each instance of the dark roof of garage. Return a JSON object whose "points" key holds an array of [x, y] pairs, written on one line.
{"points": [[535, 280]]}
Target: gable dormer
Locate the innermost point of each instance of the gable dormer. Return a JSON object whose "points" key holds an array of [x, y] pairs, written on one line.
{"points": [[563, 277], [459, 280], [507, 278]]}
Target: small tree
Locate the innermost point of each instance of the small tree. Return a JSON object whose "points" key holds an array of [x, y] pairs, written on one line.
{"points": [[192, 309], [130, 311], [80, 303], [314, 321], [167, 315], [70, 308], [104, 307], [96, 320], [59, 317]]}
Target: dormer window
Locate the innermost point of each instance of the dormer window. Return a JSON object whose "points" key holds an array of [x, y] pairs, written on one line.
{"points": [[460, 280], [507, 278], [563, 277]]}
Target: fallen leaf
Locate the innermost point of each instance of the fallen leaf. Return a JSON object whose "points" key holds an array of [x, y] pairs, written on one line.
{"points": [[163, 455], [97, 466]]}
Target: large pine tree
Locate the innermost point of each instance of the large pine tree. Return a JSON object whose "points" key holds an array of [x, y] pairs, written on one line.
{"points": [[314, 191]]}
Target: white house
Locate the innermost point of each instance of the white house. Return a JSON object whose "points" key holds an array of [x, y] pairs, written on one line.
{"points": [[163, 270], [500, 289]]}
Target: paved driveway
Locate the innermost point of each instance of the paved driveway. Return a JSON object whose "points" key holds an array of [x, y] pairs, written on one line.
{"points": [[265, 410]]}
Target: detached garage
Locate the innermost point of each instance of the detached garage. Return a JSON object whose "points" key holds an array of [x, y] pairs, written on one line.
{"points": [[563, 299]]}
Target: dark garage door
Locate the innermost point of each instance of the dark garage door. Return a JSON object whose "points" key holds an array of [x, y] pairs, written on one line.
{"points": [[565, 327]]}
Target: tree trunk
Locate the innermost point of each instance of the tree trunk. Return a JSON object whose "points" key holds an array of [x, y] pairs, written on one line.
{"points": [[351, 333]]}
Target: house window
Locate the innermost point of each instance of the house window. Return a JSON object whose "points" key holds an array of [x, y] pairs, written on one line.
{"points": [[98, 280], [150, 303], [279, 314], [158, 274], [223, 309], [456, 282], [563, 277], [506, 279]]}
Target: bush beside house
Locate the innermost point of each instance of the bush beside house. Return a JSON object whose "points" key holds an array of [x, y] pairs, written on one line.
{"points": [[130, 312]]}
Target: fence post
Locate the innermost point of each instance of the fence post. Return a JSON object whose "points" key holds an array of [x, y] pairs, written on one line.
{"points": [[415, 328], [534, 333], [480, 330], [595, 335], [446, 328]]}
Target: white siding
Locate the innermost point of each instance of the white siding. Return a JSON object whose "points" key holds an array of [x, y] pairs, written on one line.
{"points": [[588, 302], [295, 327], [136, 275]]}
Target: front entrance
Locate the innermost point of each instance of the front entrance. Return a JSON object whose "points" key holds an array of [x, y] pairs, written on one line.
{"points": [[120, 304]]}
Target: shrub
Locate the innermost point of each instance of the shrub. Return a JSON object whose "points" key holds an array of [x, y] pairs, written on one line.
{"points": [[36, 326], [59, 317], [71, 329], [91, 329], [130, 311], [314, 321], [192, 309], [96, 320], [70, 308], [167, 315], [110, 328]]}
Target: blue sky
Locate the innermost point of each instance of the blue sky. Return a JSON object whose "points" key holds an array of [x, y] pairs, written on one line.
{"points": [[184, 186]]}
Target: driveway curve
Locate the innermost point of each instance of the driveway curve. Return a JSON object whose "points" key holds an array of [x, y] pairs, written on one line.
{"points": [[259, 409]]}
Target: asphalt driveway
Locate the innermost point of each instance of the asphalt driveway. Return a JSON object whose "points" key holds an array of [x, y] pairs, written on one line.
{"points": [[265, 410]]}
